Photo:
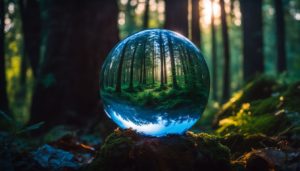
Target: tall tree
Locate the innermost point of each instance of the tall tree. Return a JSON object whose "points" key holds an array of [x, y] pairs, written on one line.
{"points": [[153, 63], [74, 44], [131, 67], [165, 68], [162, 53], [3, 92], [120, 69], [226, 53], [173, 67], [176, 16], [253, 62], [146, 15], [31, 26], [196, 29], [280, 30], [214, 54]]}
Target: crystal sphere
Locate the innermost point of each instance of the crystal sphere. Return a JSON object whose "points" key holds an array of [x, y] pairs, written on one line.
{"points": [[155, 82]]}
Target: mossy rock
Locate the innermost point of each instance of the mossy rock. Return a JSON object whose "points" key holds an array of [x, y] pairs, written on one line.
{"points": [[275, 115], [126, 150], [267, 159], [240, 144], [260, 88]]}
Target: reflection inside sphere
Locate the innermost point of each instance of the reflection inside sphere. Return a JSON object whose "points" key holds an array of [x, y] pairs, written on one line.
{"points": [[155, 82]]}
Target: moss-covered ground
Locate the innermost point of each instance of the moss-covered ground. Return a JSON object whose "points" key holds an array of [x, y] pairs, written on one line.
{"points": [[159, 98]]}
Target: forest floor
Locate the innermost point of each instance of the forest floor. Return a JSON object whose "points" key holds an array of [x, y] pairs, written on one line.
{"points": [[257, 129], [159, 98]]}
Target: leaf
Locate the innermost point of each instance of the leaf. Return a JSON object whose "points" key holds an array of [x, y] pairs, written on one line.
{"points": [[31, 127]]}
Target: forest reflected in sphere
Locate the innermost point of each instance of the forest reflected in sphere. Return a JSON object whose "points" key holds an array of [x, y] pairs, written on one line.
{"points": [[156, 82]]}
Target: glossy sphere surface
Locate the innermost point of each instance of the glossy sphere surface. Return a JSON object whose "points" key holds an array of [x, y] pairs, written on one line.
{"points": [[155, 82]]}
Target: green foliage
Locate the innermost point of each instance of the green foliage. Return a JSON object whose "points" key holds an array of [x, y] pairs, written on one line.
{"points": [[161, 98], [272, 115]]}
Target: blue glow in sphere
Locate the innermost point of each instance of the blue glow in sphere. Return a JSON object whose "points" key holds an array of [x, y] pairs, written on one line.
{"points": [[155, 82]]}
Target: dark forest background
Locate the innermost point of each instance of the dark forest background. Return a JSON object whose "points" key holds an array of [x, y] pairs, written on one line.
{"points": [[51, 114], [52, 50]]}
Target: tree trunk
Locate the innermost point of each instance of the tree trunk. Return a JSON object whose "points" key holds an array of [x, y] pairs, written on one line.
{"points": [[153, 65], [131, 68], [196, 30], [3, 93], [120, 69], [161, 47], [253, 62], [280, 30], [173, 68], [165, 68], [146, 15], [31, 26], [177, 16], [77, 35], [226, 69], [144, 65], [214, 55]]}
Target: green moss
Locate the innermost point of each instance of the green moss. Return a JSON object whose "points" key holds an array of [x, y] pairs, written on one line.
{"points": [[239, 143], [270, 115], [126, 150], [260, 88], [158, 98], [210, 146]]}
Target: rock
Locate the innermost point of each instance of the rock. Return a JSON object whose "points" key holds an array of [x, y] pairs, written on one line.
{"points": [[240, 144], [276, 115], [55, 159], [260, 88], [272, 159], [126, 150]]}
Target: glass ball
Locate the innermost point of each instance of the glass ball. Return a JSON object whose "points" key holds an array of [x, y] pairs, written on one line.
{"points": [[155, 82]]}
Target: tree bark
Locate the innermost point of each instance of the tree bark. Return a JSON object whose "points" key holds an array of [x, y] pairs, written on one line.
{"points": [[3, 93], [280, 30], [161, 47], [226, 69], [173, 67], [146, 15], [253, 62], [214, 55], [176, 16], [120, 69], [31, 26], [76, 36], [196, 30], [131, 68]]}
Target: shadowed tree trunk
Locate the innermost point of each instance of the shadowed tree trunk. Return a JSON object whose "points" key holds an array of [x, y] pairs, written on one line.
{"points": [[76, 36], [3, 92], [280, 30], [31, 25], [153, 64], [146, 15], [196, 30], [253, 62], [131, 68], [173, 67], [214, 55], [144, 65], [165, 68], [162, 53], [177, 16], [120, 69], [183, 64], [226, 69]]}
